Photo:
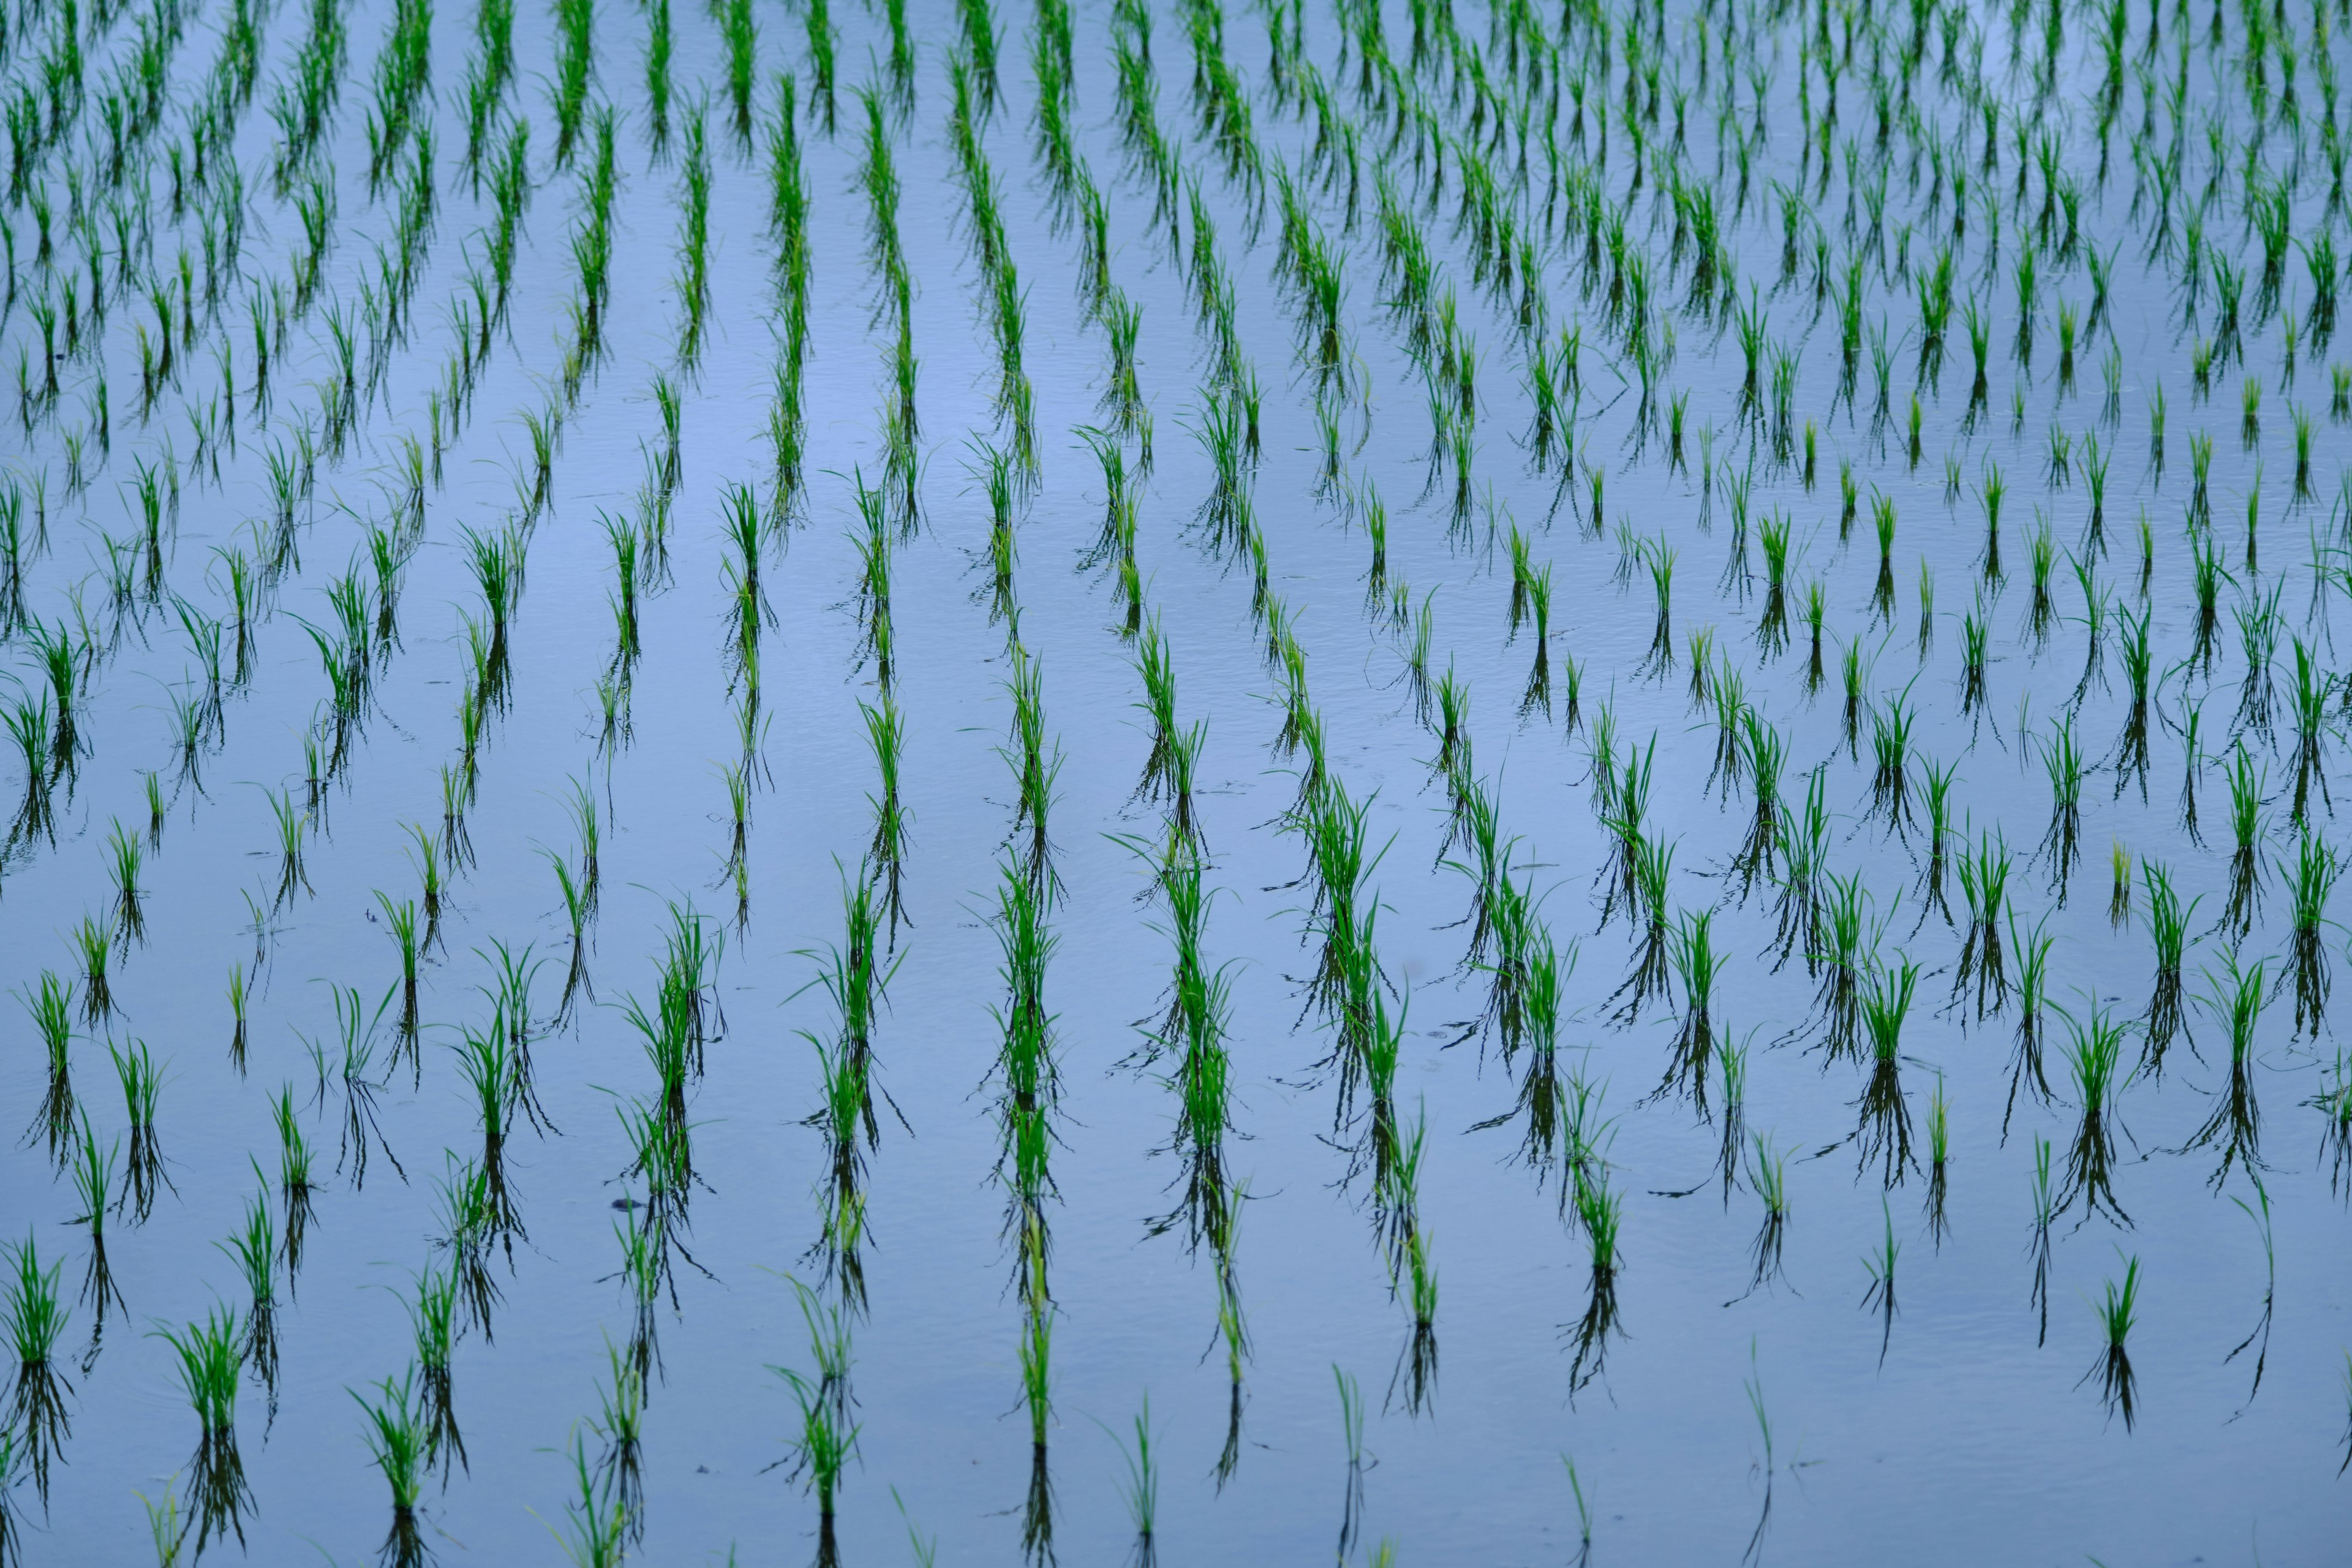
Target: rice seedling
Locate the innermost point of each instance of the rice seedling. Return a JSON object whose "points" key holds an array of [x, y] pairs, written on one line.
{"points": [[1141, 1488], [95, 944], [2096, 1054], [50, 1007], [1890, 726], [2118, 1312], [143, 1084], [2248, 827], [1880, 1297], [209, 1359], [394, 1429], [1884, 1133], [2235, 1124], [1696, 967], [2063, 758], [598, 1518], [886, 854], [36, 1318], [1599, 1212]]}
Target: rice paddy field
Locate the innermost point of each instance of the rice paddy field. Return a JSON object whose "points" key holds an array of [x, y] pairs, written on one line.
{"points": [[1172, 780]]}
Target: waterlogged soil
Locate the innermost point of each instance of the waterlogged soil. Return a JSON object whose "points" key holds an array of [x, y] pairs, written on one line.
{"points": [[1806, 1417]]}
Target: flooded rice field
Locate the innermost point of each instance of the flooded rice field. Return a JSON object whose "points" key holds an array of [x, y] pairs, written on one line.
{"points": [[1456, 783]]}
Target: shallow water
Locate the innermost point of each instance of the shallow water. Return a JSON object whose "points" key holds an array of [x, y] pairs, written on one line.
{"points": [[1880, 1431]]}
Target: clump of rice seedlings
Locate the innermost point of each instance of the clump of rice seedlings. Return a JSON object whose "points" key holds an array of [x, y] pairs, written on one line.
{"points": [[355, 1031], [210, 1358], [2208, 573], [2313, 688], [1731, 1066], [620, 1423], [2118, 1312], [1890, 739], [50, 1007], [2310, 879], [1653, 868], [1598, 1210], [598, 1518], [27, 719], [575, 21], [1803, 844], [2034, 945], [2096, 1054], [124, 854], [886, 854], [2119, 894], [1884, 1136], [427, 858], [2235, 1125], [400, 923], [295, 1182], [1660, 559], [1696, 966], [1939, 1150], [1927, 640], [2132, 750], [1767, 1177], [1542, 1099], [142, 1083], [434, 1324], [2041, 610], [1037, 762], [694, 234], [876, 636], [2063, 758], [1766, 756], [1623, 802], [1816, 614], [657, 81], [93, 1173], [1699, 654], [36, 1318], [1141, 1488], [1936, 792], [1882, 521], [1990, 492], [398, 1444], [2167, 925], [2248, 827], [2258, 629], [1841, 960], [1850, 672], [2192, 757], [1880, 1297], [1538, 694], [95, 943], [253, 1247]]}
